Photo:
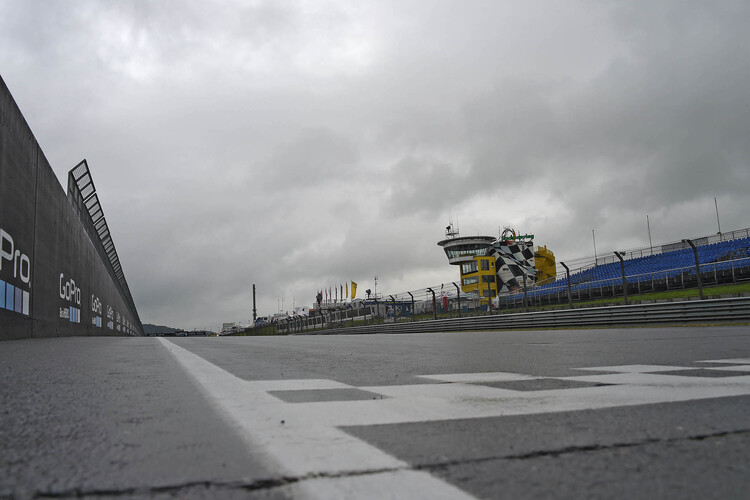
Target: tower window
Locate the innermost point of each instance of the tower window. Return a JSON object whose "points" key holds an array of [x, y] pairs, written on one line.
{"points": [[469, 267]]}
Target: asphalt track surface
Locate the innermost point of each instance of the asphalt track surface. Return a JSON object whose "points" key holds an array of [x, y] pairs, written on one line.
{"points": [[601, 413]]}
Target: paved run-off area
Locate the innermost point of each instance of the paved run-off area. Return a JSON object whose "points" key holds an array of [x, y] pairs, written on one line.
{"points": [[592, 413]]}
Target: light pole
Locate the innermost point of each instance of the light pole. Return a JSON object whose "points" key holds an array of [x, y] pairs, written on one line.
{"points": [[593, 236], [716, 205]]}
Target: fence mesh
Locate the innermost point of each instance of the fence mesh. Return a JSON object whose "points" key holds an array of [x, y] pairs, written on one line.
{"points": [[723, 259]]}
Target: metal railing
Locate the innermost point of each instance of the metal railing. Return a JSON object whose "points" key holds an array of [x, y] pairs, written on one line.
{"points": [[729, 271], [633, 253], [82, 193], [685, 312], [447, 300], [434, 303]]}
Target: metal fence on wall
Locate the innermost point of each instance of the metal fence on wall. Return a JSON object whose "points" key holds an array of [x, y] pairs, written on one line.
{"points": [[82, 193], [633, 253]]}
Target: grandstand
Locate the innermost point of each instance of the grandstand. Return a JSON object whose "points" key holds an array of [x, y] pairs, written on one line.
{"points": [[723, 258]]}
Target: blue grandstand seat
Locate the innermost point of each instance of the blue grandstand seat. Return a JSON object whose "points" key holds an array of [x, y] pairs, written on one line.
{"points": [[662, 265]]}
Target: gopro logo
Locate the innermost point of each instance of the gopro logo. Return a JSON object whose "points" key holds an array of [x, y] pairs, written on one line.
{"points": [[19, 260], [69, 291], [12, 297], [96, 304]]}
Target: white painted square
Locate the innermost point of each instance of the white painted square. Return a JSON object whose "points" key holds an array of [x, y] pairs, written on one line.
{"points": [[738, 368], [407, 483], [469, 378], [736, 361], [637, 368], [298, 384], [306, 441]]}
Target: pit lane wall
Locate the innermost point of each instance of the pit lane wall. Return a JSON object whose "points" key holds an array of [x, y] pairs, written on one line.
{"points": [[53, 279]]}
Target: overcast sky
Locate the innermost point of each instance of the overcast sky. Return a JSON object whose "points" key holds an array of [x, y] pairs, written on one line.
{"points": [[299, 145]]}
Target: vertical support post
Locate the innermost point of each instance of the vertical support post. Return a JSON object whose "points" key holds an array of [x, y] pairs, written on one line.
{"points": [[413, 312], [697, 267], [717, 218], [458, 296], [624, 281], [716, 278], [255, 311], [394, 307], [434, 308], [567, 275], [489, 297], [596, 259]]}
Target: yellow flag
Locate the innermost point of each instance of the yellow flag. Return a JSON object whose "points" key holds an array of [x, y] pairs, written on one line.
{"points": [[347, 290], [354, 289]]}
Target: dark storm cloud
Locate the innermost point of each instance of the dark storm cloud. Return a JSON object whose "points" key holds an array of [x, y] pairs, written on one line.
{"points": [[663, 124], [299, 145]]}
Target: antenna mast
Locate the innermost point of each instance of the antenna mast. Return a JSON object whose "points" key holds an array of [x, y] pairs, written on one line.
{"points": [[451, 230]]}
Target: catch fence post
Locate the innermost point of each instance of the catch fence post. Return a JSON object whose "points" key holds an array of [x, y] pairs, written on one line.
{"points": [[624, 282], [458, 296], [567, 275], [697, 267], [434, 306]]}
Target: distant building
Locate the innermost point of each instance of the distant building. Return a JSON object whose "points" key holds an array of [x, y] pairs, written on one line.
{"points": [[227, 328], [490, 265]]}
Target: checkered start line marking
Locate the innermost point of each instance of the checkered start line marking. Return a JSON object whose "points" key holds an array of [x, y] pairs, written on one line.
{"points": [[303, 439]]}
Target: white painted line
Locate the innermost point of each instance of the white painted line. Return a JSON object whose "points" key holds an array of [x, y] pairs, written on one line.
{"points": [[416, 485], [736, 361], [311, 444], [297, 442], [636, 368], [667, 381], [299, 384], [738, 368], [479, 377]]}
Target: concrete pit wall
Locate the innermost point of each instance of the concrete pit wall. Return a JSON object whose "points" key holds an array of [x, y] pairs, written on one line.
{"points": [[54, 281]]}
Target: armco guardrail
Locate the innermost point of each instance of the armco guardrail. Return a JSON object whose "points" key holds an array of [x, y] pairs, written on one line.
{"points": [[691, 311]]}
